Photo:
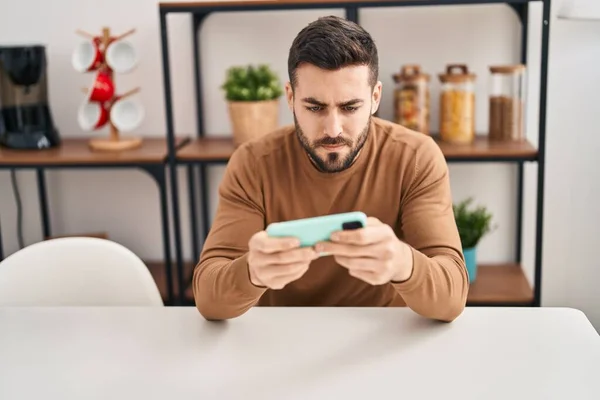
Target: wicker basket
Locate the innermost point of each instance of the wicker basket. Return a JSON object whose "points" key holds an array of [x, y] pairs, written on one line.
{"points": [[252, 119]]}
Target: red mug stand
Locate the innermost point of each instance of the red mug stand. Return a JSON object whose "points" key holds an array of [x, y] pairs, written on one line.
{"points": [[103, 92]]}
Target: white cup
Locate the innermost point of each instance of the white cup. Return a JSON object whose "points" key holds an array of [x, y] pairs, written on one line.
{"points": [[86, 56], [126, 114], [92, 116], [121, 56]]}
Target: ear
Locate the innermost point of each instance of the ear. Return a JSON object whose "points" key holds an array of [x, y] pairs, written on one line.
{"points": [[289, 94], [376, 97]]}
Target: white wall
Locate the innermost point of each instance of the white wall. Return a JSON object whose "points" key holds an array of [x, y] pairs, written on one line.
{"points": [[572, 231], [431, 37]]}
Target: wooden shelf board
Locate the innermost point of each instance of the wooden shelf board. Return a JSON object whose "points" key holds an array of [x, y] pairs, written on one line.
{"points": [[483, 148], [501, 284], [207, 149], [76, 151], [234, 4], [221, 148], [254, 3]]}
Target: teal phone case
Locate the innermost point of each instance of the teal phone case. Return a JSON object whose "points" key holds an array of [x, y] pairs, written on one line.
{"points": [[317, 229]]}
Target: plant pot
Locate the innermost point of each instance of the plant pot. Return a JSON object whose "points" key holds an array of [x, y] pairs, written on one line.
{"points": [[471, 262], [253, 119]]}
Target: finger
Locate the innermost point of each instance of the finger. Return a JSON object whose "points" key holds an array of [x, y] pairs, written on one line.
{"points": [[283, 276], [261, 241], [271, 272], [348, 250], [363, 236], [372, 221], [305, 254], [358, 263], [367, 276]]}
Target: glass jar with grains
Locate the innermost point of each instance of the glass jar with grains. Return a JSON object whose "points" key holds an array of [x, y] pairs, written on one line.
{"points": [[457, 105], [411, 99], [507, 98]]}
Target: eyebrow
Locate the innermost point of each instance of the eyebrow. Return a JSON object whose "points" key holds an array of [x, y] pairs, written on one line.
{"points": [[312, 100]]}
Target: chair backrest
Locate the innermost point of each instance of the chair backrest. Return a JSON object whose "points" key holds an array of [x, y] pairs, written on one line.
{"points": [[76, 271]]}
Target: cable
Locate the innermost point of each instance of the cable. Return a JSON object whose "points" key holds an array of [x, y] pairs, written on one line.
{"points": [[13, 178]]}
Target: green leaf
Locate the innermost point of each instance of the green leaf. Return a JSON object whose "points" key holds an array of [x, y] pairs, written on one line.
{"points": [[472, 222], [251, 83]]}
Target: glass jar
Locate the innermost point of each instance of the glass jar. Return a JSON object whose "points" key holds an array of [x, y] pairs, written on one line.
{"points": [[507, 102], [457, 104], [411, 99]]}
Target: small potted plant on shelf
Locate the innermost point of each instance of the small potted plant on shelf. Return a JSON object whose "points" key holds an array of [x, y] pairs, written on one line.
{"points": [[473, 224], [252, 93]]}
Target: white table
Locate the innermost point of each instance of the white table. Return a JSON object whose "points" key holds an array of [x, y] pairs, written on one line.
{"points": [[296, 353]]}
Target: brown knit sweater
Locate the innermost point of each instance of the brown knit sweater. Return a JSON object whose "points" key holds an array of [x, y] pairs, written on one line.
{"points": [[400, 177]]}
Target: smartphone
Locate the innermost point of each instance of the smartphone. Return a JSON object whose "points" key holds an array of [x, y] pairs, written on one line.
{"points": [[317, 229]]}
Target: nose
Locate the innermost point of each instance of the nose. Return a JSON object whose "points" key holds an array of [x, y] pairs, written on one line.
{"points": [[333, 125]]}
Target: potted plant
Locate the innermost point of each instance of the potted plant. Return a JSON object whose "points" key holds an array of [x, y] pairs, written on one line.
{"points": [[472, 223], [252, 93]]}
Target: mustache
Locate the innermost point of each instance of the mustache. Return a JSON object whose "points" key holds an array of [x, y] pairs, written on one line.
{"points": [[330, 141]]}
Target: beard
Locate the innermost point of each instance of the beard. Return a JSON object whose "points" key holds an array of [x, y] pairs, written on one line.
{"points": [[333, 161]]}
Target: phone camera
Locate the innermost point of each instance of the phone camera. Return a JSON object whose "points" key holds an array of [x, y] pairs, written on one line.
{"points": [[351, 225]]}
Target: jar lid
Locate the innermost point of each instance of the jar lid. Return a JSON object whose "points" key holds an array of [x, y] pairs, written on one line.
{"points": [[409, 73], [507, 69], [456, 73]]}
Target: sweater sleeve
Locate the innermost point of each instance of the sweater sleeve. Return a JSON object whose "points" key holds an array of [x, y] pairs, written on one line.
{"points": [[221, 280], [439, 284]]}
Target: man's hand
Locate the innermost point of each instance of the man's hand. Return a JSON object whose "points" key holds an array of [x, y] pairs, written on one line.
{"points": [[275, 262], [373, 253]]}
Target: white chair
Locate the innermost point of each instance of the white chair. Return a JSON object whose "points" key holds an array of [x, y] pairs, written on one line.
{"points": [[76, 271]]}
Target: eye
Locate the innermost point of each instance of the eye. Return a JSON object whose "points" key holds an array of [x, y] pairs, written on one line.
{"points": [[314, 108], [350, 108]]}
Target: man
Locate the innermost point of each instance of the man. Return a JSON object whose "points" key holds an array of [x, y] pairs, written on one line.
{"points": [[336, 158]]}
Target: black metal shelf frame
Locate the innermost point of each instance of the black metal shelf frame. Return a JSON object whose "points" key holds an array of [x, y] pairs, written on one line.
{"points": [[199, 14], [156, 170]]}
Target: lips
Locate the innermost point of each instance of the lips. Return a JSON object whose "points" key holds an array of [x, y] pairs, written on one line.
{"points": [[333, 147]]}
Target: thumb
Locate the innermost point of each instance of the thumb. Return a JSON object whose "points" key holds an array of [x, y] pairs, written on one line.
{"points": [[372, 221]]}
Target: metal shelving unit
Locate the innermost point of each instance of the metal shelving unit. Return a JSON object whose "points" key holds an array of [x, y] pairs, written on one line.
{"points": [[202, 152]]}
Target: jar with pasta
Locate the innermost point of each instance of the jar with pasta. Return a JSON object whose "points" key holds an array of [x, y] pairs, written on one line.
{"points": [[457, 105], [411, 99], [507, 98]]}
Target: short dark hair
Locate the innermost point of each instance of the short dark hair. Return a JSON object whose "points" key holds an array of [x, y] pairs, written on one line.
{"points": [[332, 43]]}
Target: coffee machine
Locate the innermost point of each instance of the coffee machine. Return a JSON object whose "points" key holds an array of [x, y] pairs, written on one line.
{"points": [[25, 118]]}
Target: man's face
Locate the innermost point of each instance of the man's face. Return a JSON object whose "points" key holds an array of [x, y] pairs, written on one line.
{"points": [[332, 111]]}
